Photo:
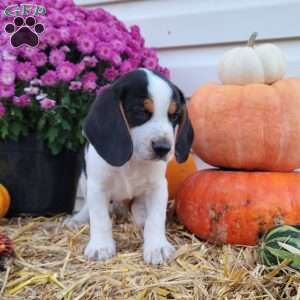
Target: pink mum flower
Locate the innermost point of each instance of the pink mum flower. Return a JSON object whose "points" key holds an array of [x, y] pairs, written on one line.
{"points": [[57, 56], [85, 44], [118, 45], [65, 34], [80, 67], [66, 71], [116, 59], [29, 52], [150, 63], [104, 51], [21, 101], [52, 37], [126, 67], [39, 59], [47, 103], [90, 61], [2, 110], [75, 85], [110, 74], [89, 81], [49, 78], [92, 27], [7, 77], [26, 71], [7, 90]]}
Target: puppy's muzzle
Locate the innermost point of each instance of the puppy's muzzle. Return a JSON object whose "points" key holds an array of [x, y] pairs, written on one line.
{"points": [[161, 148]]}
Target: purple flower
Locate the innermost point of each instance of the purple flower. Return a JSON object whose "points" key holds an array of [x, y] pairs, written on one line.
{"points": [[21, 101], [89, 81], [49, 78], [150, 63], [85, 44], [118, 45], [104, 51], [2, 111], [80, 67], [6, 90], [126, 67], [75, 85], [70, 16], [165, 72], [8, 66], [39, 59], [92, 28], [65, 34], [29, 52], [7, 77], [66, 49], [57, 56], [47, 103], [90, 61], [59, 19], [26, 71], [110, 74], [9, 55], [66, 71], [52, 37], [116, 59]]}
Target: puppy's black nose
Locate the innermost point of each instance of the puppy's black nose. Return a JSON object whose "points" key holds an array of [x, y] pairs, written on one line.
{"points": [[161, 148]]}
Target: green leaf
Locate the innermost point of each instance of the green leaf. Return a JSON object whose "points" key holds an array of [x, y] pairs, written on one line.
{"points": [[16, 128], [65, 125], [52, 134]]}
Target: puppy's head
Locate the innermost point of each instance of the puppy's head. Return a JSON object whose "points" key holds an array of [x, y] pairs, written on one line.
{"points": [[141, 115]]}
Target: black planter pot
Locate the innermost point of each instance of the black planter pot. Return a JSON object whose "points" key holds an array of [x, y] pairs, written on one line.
{"points": [[39, 183]]}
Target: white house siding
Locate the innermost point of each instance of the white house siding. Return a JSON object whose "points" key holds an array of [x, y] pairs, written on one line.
{"points": [[192, 35]]}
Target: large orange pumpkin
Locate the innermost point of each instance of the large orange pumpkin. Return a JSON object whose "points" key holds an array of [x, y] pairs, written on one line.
{"points": [[252, 127], [238, 207], [177, 173], [4, 201]]}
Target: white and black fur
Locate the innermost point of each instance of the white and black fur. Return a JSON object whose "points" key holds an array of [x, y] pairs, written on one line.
{"points": [[126, 159]]}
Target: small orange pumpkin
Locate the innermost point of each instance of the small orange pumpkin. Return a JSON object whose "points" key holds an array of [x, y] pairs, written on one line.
{"points": [[177, 173], [4, 200], [238, 207], [252, 127]]}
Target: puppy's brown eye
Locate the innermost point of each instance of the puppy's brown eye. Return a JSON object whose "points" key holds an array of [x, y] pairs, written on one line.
{"points": [[175, 117], [149, 105]]}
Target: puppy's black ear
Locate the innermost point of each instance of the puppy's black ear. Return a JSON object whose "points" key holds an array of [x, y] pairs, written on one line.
{"points": [[107, 129], [185, 133]]}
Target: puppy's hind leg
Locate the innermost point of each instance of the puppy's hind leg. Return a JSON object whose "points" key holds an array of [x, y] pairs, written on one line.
{"points": [[82, 217]]}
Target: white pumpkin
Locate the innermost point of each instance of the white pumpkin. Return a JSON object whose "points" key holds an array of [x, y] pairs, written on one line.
{"points": [[264, 63]]}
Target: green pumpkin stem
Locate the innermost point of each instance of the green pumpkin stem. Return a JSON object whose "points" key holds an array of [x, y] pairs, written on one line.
{"points": [[252, 39]]}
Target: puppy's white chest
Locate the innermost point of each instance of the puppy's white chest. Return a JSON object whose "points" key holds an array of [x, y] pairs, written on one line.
{"points": [[127, 184]]}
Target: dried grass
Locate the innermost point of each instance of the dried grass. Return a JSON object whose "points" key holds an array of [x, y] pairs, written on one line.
{"points": [[49, 264]]}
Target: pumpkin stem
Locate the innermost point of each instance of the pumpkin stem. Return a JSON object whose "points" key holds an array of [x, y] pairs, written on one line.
{"points": [[252, 39]]}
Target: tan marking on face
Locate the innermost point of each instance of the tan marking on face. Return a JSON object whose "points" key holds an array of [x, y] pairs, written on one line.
{"points": [[172, 108], [149, 105]]}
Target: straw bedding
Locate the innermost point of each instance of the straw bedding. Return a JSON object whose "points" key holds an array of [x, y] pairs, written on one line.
{"points": [[49, 264]]}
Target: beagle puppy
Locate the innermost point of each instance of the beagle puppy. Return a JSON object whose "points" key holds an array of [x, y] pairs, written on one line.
{"points": [[134, 128]]}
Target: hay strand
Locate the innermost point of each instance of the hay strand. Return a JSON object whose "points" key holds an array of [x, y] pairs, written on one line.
{"points": [[49, 264]]}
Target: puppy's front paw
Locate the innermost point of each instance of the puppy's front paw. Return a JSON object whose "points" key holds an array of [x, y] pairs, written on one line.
{"points": [[100, 250], [157, 253]]}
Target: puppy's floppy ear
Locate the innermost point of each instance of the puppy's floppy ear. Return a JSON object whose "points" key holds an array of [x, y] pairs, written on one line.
{"points": [[107, 129], [185, 133]]}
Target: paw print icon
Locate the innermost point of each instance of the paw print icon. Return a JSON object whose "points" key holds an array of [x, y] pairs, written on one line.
{"points": [[24, 32]]}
